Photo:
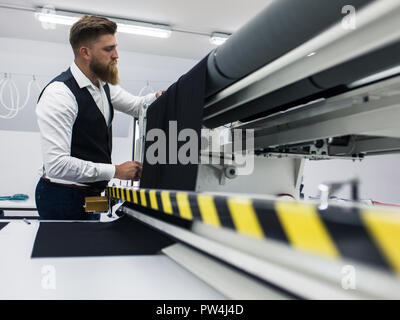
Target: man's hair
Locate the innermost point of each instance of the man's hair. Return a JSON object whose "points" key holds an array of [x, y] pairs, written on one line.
{"points": [[88, 29]]}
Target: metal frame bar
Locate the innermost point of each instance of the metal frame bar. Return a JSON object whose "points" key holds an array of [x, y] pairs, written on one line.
{"points": [[365, 111], [229, 281]]}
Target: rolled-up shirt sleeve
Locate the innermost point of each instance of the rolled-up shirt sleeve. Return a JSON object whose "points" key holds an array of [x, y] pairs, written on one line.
{"points": [[56, 113], [128, 103]]}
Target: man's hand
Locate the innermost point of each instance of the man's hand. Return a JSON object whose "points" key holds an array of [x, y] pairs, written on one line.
{"points": [[159, 93], [130, 170]]}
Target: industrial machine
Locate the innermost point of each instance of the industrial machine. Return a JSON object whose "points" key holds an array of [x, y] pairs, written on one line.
{"points": [[316, 90], [302, 80]]}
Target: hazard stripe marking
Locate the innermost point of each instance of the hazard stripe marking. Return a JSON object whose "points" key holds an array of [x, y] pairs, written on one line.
{"points": [[166, 202], [194, 206], [371, 236], [153, 200], [244, 217], [143, 201], [184, 205], [128, 195], [304, 228], [135, 197], [385, 228], [269, 220], [208, 210], [351, 237], [223, 211], [174, 204]]}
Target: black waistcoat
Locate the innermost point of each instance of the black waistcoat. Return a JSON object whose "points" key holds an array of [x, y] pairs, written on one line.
{"points": [[91, 136]]}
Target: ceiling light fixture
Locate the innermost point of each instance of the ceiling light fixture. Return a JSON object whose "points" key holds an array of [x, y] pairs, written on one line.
{"points": [[124, 26], [218, 38], [56, 19], [143, 28]]}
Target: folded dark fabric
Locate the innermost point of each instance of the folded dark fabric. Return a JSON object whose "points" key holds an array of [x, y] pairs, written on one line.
{"points": [[183, 102], [3, 224], [124, 236]]}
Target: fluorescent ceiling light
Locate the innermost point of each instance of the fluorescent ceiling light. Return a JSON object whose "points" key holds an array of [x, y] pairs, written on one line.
{"points": [[124, 26], [143, 29], [218, 38], [57, 19]]}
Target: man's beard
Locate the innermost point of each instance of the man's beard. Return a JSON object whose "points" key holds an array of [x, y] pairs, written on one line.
{"points": [[108, 73]]}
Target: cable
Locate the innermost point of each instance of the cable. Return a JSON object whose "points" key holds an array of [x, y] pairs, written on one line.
{"points": [[28, 94], [146, 87], [10, 87], [13, 110], [13, 91]]}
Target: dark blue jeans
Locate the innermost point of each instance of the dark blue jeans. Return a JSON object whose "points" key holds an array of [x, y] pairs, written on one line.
{"points": [[55, 202]]}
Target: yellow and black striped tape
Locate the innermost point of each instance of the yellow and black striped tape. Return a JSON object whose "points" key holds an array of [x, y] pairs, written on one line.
{"points": [[371, 236]]}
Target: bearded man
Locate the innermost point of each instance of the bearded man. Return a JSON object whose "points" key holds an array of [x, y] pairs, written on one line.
{"points": [[74, 113]]}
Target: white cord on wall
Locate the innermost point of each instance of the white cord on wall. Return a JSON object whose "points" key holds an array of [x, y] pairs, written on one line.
{"points": [[28, 94], [147, 87], [14, 107]]}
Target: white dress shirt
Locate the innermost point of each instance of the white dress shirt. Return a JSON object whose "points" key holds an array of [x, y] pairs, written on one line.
{"points": [[56, 113]]}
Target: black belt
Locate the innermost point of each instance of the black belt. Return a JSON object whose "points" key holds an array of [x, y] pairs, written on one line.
{"points": [[86, 188]]}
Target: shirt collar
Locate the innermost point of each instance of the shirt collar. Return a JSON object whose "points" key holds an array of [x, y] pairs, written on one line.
{"points": [[80, 77]]}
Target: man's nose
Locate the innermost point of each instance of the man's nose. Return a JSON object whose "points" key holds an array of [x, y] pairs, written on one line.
{"points": [[115, 54]]}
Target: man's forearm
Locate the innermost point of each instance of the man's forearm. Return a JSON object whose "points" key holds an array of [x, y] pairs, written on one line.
{"points": [[77, 170]]}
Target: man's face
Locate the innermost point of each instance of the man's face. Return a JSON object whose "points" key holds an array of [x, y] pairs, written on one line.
{"points": [[103, 59]]}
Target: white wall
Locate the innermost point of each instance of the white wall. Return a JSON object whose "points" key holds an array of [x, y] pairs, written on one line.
{"points": [[379, 177], [20, 155]]}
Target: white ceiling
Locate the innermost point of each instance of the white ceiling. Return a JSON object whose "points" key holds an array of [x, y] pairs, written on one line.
{"points": [[205, 17]]}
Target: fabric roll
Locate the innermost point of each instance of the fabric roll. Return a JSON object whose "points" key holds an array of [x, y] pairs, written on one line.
{"points": [[181, 104], [124, 236], [279, 28]]}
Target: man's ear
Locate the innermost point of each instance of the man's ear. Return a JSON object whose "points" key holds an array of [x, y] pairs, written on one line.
{"points": [[84, 52]]}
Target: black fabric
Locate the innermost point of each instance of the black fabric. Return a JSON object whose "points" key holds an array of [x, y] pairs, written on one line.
{"points": [[124, 236], [3, 224], [91, 136], [182, 102]]}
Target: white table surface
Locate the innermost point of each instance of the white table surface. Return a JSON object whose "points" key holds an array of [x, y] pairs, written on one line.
{"points": [[116, 277], [25, 204]]}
